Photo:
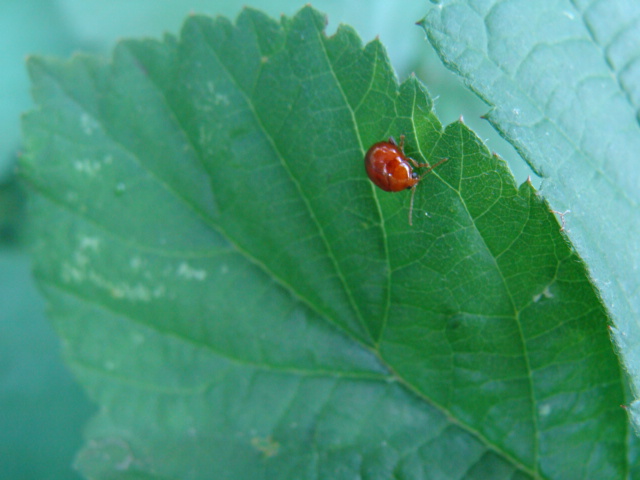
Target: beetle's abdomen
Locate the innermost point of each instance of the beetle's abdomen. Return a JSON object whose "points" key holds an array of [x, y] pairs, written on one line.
{"points": [[387, 167]]}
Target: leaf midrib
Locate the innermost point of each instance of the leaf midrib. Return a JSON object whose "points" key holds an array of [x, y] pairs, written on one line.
{"points": [[195, 343]]}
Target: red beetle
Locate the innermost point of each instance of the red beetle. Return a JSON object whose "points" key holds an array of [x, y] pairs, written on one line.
{"points": [[390, 169]]}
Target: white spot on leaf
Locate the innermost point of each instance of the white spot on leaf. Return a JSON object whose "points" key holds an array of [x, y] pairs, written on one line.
{"points": [[546, 293], [135, 263], [88, 124], [120, 187], [71, 274], [189, 273], [544, 409], [221, 99], [89, 243], [90, 167], [122, 290]]}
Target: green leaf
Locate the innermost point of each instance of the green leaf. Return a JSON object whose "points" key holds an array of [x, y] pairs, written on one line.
{"points": [[563, 79], [242, 302]]}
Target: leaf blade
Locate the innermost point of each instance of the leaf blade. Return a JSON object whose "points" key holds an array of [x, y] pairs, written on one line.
{"points": [[174, 299]]}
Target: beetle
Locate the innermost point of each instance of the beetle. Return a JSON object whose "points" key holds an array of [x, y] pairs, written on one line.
{"points": [[391, 170]]}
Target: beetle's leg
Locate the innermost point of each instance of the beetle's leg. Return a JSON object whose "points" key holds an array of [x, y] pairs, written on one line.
{"points": [[416, 164], [431, 168], [413, 192]]}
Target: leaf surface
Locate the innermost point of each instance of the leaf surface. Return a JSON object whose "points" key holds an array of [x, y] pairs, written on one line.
{"points": [[563, 79], [242, 302]]}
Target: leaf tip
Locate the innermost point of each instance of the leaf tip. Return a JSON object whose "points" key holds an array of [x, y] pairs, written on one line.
{"points": [[526, 188], [318, 16], [458, 123], [35, 64]]}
